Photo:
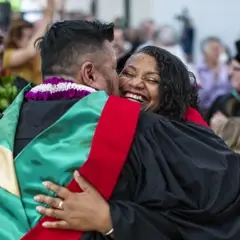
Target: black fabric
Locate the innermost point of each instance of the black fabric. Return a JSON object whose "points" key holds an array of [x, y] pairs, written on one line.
{"points": [[218, 106], [35, 117], [226, 104], [180, 181], [181, 177], [20, 83]]}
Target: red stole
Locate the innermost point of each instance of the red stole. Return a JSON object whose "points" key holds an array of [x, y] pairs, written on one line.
{"points": [[192, 115], [110, 146]]}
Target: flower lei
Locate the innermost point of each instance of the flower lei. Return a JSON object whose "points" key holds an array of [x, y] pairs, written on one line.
{"points": [[57, 89], [8, 91]]}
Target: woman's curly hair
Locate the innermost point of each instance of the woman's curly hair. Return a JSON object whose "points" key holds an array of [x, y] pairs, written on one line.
{"points": [[178, 88]]}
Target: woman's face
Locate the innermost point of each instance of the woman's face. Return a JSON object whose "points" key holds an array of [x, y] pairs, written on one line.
{"points": [[139, 81], [26, 36]]}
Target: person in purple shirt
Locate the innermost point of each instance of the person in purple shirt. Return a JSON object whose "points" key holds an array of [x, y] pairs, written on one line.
{"points": [[212, 73]]}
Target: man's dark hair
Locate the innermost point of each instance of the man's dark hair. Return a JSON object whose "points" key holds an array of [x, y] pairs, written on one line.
{"points": [[65, 42], [178, 89], [206, 41]]}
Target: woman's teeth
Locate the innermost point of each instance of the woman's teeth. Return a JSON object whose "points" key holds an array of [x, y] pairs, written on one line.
{"points": [[134, 97]]}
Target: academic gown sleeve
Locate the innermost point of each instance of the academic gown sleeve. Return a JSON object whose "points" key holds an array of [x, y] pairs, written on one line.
{"points": [[181, 182], [139, 218]]}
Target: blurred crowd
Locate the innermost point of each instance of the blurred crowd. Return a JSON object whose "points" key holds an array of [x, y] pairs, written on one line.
{"points": [[217, 74]]}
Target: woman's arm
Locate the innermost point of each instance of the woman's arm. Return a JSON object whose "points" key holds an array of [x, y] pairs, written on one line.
{"points": [[20, 56]]}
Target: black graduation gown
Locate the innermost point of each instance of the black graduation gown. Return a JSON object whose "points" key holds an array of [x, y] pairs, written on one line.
{"points": [[180, 180]]}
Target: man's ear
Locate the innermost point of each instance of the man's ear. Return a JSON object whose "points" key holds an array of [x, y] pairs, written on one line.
{"points": [[88, 74]]}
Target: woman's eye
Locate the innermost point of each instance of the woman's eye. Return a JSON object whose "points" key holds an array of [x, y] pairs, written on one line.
{"points": [[127, 74], [152, 80]]}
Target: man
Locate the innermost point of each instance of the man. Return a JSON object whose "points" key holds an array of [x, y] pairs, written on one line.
{"points": [[212, 73], [162, 190]]}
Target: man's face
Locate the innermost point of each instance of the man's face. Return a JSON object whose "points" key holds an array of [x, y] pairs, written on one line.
{"points": [[106, 77], [148, 30], [213, 50]]}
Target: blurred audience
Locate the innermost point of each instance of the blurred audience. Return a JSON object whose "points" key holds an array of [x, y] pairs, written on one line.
{"points": [[20, 55], [218, 74], [212, 73], [147, 33], [120, 45], [225, 112], [168, 39]]}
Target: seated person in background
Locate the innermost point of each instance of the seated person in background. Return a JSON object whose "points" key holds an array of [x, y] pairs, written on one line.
{"points": [[212, 74], [224, 114]]}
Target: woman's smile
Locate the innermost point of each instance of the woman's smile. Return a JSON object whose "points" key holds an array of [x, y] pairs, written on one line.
{"points": [[134, 96]]}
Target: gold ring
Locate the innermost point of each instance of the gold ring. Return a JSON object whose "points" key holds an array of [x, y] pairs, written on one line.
{"points": [[60, 205]]}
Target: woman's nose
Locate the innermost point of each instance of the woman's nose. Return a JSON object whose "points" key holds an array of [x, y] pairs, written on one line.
{"points": [[136, 83]]}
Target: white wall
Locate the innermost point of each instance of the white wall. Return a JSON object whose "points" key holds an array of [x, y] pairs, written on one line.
{"points": [[141, 10], [108, 10], [211, 17], [71, 5]]}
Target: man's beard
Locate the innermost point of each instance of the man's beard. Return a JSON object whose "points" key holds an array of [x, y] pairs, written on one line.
{"points": [[110, 89]]}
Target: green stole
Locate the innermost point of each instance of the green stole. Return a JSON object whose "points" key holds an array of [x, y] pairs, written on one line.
{"points": [[236, 94], [53, 155]]}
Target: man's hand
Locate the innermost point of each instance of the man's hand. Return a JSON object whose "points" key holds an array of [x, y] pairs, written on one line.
{"points": [[86, 211]]}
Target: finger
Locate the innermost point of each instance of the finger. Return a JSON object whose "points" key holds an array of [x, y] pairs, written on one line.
{"points": [[51, 201], [83, 184], [62, 192], [50, 212], [60, 225]]}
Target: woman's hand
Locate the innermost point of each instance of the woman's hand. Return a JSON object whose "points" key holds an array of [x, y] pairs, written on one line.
{"points": [[86, 211]]}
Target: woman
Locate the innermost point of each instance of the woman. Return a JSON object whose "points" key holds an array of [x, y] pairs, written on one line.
{"points": [[160, 82], [188, 157], [20, 55]]}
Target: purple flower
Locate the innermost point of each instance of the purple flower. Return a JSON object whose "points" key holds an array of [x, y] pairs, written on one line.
{"points": [[58, 95]]}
